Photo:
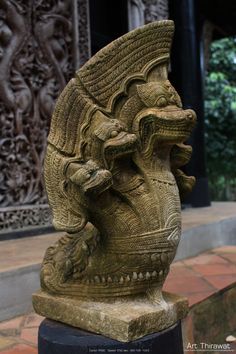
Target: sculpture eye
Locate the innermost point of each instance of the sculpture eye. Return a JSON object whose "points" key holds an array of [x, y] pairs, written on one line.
{"points": [[114, 133], [161, 102]]}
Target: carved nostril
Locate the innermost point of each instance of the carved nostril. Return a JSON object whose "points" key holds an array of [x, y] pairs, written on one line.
{"points": [[191, 116]]}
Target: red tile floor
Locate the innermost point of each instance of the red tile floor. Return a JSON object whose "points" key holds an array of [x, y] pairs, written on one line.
{"points": [[196, 278]]}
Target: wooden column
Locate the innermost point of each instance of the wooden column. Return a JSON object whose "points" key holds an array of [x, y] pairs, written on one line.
{"points": [[187, 76]]}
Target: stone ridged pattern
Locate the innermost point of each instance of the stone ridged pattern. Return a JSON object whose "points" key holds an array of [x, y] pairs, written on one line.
{"points": [[112, 173], [126, 56]]}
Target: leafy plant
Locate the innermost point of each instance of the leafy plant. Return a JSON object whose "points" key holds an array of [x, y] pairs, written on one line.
{"points": [[220, 118]]}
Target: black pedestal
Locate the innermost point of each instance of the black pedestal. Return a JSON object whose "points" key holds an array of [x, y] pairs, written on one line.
{"points": [[57, 338]]}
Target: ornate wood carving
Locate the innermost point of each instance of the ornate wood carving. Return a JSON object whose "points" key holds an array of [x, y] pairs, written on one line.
{"points": [[135, 13], [145, 11], [22, 217], [155, 10], [84, 32], [37, 56]]}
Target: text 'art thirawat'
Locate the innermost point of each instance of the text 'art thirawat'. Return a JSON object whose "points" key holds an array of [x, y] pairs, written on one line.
{"points": [[112, 175]]}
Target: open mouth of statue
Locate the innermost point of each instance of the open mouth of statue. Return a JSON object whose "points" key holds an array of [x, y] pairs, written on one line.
{"points": [[119, 146], [170, 127], [99, 182]]}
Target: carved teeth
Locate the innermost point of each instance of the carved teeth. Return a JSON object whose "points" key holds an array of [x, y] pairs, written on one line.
{"points": [[76, 276], [75, 270], [68, 264], [127, 278], [154, 257], [164, 258], [140, 275], [97, 279], [84, 247], [154, 274], [121, 280]]}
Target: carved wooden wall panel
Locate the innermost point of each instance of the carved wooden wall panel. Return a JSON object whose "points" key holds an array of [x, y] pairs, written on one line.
{"points": [[141, 12], [42, 42], [155, 10]]}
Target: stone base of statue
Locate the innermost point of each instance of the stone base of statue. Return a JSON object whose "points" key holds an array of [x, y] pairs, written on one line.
{"points": [[57, 338], [125, 319]]}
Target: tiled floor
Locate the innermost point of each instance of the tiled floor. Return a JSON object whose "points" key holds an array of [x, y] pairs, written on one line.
{"points": [[199, 277], [19, 335], [196, 278]]}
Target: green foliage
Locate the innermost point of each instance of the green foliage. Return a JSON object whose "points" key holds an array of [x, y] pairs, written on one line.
{"points": [[220, 114]]}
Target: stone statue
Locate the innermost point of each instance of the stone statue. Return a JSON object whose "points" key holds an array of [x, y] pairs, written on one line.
{"points": [[112, 176]]}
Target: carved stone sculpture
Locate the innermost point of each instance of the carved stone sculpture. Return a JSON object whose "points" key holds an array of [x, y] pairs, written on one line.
{"points": [[113, 181]]}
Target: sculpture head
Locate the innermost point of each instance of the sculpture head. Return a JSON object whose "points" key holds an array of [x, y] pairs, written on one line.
{"points": [[163, 120], [108, 140], [89, 178]]}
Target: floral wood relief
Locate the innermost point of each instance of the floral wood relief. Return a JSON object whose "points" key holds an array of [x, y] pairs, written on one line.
{"points": [[37, 57], [155, 10]]}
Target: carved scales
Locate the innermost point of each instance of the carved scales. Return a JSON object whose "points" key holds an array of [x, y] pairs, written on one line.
{"points": [[113, 157]]}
